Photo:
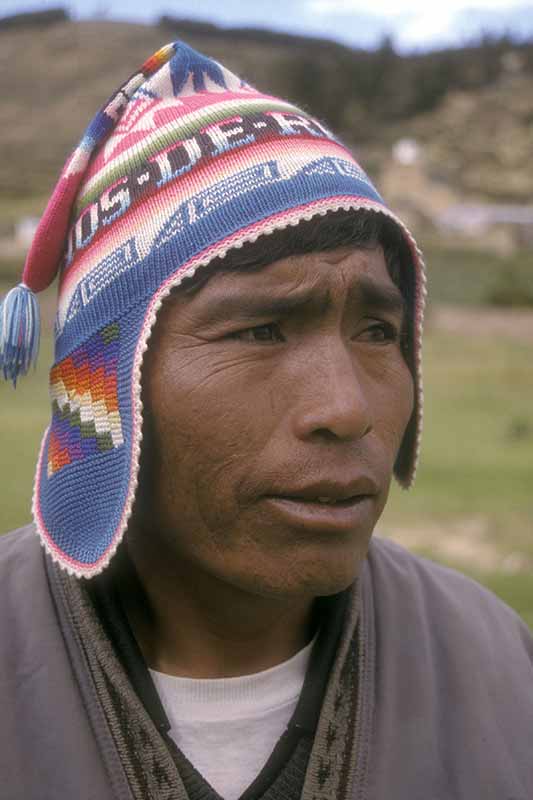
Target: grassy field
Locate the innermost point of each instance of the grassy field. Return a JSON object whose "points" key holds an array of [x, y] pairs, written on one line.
{"points": [[468, 276], [472, 505]]}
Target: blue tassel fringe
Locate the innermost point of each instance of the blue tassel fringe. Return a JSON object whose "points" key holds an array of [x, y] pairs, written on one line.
{"points": [[20, 327]]}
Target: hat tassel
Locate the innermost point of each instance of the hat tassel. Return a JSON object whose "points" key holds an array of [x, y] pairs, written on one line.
{"points": [[20, 327]]}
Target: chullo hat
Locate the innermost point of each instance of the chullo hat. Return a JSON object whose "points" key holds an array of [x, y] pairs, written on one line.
{"points": [[184, 162]]}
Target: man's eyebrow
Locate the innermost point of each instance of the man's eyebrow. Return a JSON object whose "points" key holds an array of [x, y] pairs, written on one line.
{"points": [[366, 292], [380, 297], [256, 304]]}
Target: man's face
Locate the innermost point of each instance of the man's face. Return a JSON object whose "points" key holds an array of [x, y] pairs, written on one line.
{"points": [[265, 394]]}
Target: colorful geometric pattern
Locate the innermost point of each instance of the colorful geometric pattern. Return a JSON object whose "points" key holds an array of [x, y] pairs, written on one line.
{"points": [[85, 415]]}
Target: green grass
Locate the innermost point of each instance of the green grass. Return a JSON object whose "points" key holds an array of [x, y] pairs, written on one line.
{"points": [[474, 277], [477, 450], [24, 417]]}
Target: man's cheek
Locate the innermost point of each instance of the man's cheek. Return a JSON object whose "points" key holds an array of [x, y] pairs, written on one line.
{"points": [[206, 451], [211, 367], [397, 403]]}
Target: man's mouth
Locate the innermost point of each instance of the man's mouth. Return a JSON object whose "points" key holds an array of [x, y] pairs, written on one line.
{"points": [[327, 505], [331, 490], [325, 501]]}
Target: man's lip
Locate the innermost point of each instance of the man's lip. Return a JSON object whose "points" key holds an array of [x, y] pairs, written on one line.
{"points": [[335, 490], [342, 517]]}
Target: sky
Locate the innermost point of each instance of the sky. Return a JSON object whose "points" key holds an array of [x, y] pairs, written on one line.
{"points": [[412, 24]]}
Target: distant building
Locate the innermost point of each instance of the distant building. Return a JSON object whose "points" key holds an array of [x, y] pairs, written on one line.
{"points": [[25, 230], [406, 151]]}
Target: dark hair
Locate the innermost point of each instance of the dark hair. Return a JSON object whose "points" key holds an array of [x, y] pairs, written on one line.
{"points": [[358, 229]]}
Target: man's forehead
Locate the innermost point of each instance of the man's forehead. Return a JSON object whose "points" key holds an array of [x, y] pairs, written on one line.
{"points": [[342, 268], [314, 280]]}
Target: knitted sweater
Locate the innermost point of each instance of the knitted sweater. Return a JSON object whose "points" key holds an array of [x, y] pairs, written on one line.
{"points": [[282, 776]]}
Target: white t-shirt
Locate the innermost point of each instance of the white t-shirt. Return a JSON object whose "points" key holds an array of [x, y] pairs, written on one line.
{"points": [[228, 727]]}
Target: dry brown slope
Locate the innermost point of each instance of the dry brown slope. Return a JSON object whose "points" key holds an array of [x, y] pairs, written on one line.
{"points": [[53, 80], [482, 142]]}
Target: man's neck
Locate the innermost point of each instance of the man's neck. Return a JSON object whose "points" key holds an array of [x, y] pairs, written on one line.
{"points": [[191, 624]]}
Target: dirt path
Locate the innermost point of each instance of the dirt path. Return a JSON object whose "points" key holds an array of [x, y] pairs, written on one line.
{"points": [[464, 542]]}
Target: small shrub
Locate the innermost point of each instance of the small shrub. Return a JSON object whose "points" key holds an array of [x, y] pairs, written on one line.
{"points": [[34, 19], [512, 289]]}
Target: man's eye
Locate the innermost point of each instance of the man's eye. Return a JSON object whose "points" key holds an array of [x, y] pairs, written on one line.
{"points": [[381, 332], [267, 334]]}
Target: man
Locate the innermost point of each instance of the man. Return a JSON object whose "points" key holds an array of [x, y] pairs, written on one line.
{"points": [[237, 378]]}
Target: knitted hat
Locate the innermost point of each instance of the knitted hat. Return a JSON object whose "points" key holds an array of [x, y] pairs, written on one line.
{"points": [[183, 163]]}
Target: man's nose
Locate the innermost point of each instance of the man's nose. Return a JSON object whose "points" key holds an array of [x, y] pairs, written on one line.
{"points": [[333, 401]]}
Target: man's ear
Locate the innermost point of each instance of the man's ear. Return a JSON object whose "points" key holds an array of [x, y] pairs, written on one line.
{"points": [[403, 464]]}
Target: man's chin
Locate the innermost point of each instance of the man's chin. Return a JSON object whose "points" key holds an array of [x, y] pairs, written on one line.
{"points": [[301, 580]]}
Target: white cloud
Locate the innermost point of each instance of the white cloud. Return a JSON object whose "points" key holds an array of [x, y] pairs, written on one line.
{"points": [[413, 22], [398, 8], [426, 27]]}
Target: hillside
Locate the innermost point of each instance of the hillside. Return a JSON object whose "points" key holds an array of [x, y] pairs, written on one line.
{"points": [[472, 113], [482, 142]]}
